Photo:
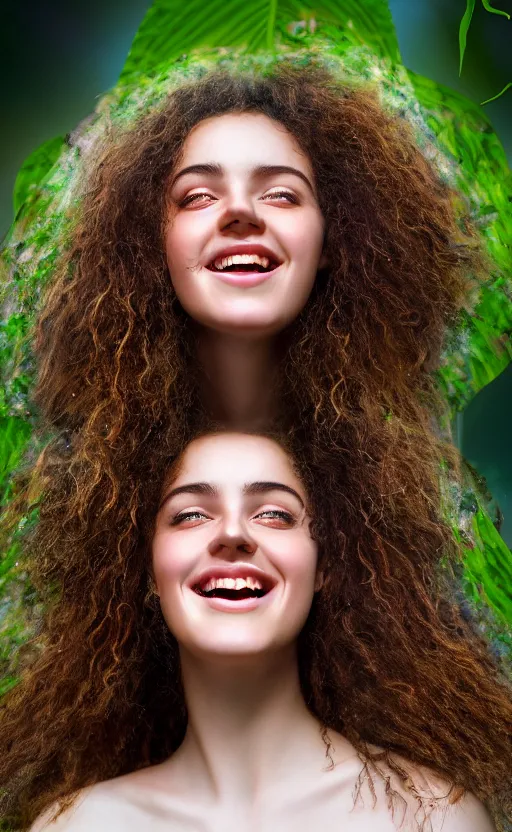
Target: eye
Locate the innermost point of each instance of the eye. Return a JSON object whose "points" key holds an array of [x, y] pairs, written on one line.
{"points": [[191, 198], [183, 516], [290, 197], [277, 516]]}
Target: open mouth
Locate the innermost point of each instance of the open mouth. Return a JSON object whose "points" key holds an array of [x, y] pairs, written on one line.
{"points": [[236, 601], [231, 594], [245, 268]]}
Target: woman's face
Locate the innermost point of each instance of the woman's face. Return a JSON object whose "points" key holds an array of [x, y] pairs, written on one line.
{"points": [[246, 200], [235, 501]]}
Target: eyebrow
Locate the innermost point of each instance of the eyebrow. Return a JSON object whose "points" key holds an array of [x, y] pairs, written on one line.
{"points": [[208, 490], [259, 172]]}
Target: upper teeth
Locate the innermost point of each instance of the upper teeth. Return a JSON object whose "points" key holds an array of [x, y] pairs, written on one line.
{"points": [[223, 262], [231, 583]]}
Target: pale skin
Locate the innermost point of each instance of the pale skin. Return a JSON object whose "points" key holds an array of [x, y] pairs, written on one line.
{"points": [[252, 757], [238, 327]]}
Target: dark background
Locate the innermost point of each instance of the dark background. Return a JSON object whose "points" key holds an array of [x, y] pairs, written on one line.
{"points": [[57, 58]]}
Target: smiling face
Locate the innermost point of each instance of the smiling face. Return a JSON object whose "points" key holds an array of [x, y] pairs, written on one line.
{"points": [[244, 201], [236, 499]]}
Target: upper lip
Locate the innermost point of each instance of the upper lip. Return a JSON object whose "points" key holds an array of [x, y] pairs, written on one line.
{"points": [[233, 570], [246, 248]]}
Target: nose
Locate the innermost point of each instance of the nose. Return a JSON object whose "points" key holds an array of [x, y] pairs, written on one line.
{"points": [[240, 212], [232, 536]]}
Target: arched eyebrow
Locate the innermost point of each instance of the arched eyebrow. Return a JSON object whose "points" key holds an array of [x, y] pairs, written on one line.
{"points": [[259, 172], [208, 490], [263, 487], [203, 488]]}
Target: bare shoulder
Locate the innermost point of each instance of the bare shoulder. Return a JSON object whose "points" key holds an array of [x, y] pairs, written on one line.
{"points": [[92, 808], [128, 802], [468, 814]]}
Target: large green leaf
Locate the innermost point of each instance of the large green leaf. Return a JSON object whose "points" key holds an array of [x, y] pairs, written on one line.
{"points": [[34, 170], [482, 348], [172, 28]]}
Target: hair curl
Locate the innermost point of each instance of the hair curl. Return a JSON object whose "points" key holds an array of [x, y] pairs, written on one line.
{"points": [[385, 655]]}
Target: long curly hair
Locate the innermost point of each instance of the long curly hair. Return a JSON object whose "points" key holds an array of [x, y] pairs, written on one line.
{"points": [[386, 656]]}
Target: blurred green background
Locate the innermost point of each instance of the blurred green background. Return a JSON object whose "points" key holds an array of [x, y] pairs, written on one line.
{"points": [[56, 58]]}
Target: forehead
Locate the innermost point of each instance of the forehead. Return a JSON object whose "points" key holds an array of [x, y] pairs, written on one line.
{"points": [[232, 460], [243, 140]]}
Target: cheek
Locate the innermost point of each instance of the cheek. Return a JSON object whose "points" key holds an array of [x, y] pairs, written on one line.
{"points": [[181, 242], [168, 562], [308, 229], [174, 252], [306, 242], [183, 262], [296, 558]]}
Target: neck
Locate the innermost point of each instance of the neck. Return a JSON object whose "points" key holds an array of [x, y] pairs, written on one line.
{"points": [[238, 378], [250, 737]]}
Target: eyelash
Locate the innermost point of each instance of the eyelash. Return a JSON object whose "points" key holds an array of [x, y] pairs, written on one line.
{"points": [[193, 197], [180, 518]]}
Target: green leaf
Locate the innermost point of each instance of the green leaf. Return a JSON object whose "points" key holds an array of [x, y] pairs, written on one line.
{"points": [[14, 437], [487, 6], [463, 29], [505, 88], [172, 29], [34, 169], [490, 564], [7, 684]]}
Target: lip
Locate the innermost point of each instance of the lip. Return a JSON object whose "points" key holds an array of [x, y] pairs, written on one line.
{"points": [[245, 605], [245, 248], [244, 279]]}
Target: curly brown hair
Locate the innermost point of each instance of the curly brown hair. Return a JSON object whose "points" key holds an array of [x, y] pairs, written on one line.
{"points": [[385, 657]]}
